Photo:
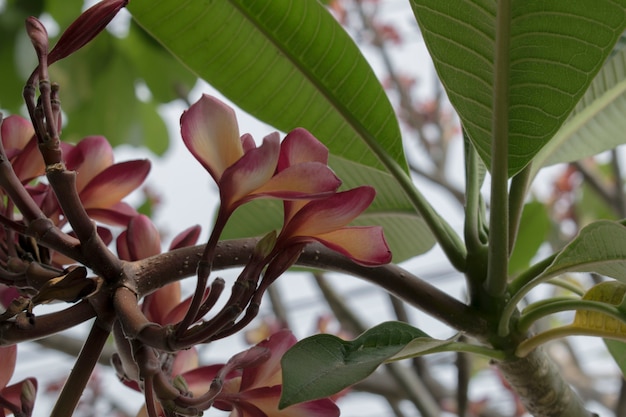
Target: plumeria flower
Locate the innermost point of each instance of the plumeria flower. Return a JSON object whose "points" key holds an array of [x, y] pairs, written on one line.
{"points": [[254, 391], [325, 221], [20, 146], [101, 183], [243, 171], [19, 396]]}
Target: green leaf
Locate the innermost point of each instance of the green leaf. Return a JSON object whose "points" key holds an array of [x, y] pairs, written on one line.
{"points": [[555, 50], [599, 247], [533, 230], [290, 64], [617, 349], [287, 62], [323, 365], [597, 123]]}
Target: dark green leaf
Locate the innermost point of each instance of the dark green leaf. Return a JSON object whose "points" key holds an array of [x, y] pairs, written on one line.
{"points": [[323, 365]]}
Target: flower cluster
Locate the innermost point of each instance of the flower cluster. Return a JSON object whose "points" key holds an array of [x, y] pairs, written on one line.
{"points": [[295, 171]]}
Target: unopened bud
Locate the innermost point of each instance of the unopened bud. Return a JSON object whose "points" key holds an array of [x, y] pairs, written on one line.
{"points": [[86, 27], [38, 36], [27, 395], [266, 244]]}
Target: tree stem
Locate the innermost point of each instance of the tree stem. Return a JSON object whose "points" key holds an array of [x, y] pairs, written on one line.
{"points": [[541, 388]]}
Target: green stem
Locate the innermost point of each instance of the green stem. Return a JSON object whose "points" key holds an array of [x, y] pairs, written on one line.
{"points": [[517, 195], [472, 199], [544, 308], [449, 240], [528, 345], [497, 271], [519, 288], [79, 377]]}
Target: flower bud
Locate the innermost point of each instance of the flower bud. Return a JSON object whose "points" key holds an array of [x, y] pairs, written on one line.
{"points": [[27, 395], [38, 36], [85, 28]]}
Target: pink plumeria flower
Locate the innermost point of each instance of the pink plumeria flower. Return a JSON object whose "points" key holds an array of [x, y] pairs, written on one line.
{"points": [[101, 183], [243, 171], [20, 146], [20, 395], [254, 391], [325, 221]]}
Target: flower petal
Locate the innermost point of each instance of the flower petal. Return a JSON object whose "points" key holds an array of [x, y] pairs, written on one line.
{"points": [[177, 313], [268, 373], [8, 355], [305, 180], [328, 214], [14, 393], [117, 215], [114, 183], [266, 400], [301, 146], [89, 157], [143, 238], [187, 237], [15, 132], [28, 164], [210, 132], [157, 305], [250, 172], [184, 361], [364, 245]]}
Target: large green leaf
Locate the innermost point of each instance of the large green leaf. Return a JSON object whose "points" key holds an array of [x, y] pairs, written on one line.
{"points": [[290, 64], [597, 123], [323, 365], [555, 49], [287, 62], [599, 247]]}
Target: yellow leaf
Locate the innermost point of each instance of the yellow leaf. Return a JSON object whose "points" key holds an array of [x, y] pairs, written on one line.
{"points": [[609, 292]]}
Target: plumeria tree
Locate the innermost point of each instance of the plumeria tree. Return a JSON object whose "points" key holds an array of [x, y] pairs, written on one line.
{"points": [[532, 83]]}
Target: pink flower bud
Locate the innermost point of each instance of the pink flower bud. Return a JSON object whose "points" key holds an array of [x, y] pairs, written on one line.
{"points": [[85, 28], [38, 36]]}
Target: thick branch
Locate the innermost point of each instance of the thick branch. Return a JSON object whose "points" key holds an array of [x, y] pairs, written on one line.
{"points": [[160, 270], [541, 388]]}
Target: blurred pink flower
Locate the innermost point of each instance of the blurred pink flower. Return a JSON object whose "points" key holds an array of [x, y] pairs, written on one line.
{"points": [[21, 395], [20, 146]]}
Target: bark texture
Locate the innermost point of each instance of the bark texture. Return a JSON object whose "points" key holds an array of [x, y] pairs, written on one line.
{"points": [[542, 389]]}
